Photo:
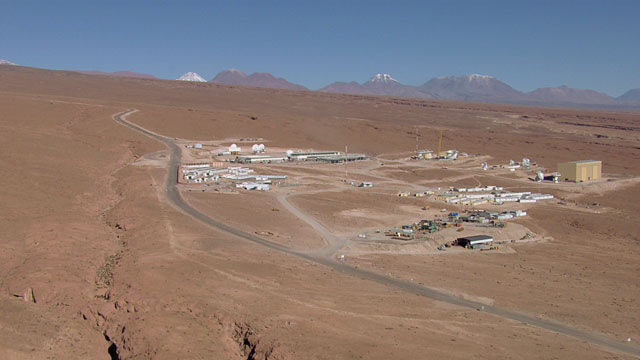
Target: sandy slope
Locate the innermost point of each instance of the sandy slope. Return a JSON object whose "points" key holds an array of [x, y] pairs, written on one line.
{"points": [[176, 289]]}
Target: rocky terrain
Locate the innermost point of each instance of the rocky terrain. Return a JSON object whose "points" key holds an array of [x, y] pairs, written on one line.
{"points": [[96, 262]]}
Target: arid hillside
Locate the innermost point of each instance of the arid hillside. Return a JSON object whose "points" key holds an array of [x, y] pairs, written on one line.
{"points": [[119, 271]]}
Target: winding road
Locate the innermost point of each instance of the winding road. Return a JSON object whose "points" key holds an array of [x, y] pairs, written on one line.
{"points": [[176, 199]]}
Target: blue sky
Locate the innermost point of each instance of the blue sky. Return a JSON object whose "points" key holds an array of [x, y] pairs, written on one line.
{"points": [[528, 44]]}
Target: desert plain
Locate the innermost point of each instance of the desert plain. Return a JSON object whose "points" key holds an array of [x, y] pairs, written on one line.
{"points": [[99, 260]]}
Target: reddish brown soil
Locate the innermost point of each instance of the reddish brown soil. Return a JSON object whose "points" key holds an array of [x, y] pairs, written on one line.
{"points": [[106, 255], [257, 212]]}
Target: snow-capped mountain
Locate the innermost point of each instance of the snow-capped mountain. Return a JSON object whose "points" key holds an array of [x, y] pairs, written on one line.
{"points": [[481, 88], [382, 79], [263, 80], [472, 87], [467, 87], [379, 84], [191, 76], [385, 84]]}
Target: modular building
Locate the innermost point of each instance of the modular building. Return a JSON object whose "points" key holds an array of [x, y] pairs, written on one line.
{"points": [[581, 170], [471, 241], [328, 156], [311, 155], [253, 186], [195, 165], [252, 159], [342, 158]]}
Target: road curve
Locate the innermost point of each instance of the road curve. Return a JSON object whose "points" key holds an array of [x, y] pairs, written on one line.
{"points": [[174, 196], [333, 242]]}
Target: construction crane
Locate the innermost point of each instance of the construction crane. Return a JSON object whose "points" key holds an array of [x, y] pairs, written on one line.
{"points": [[439, 154]]}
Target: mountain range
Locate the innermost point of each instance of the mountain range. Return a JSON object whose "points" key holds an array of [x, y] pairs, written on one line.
{"points": [[380, 84], [122, 73], [474, 87], [483, 88], [470, 88], [264, 80]]}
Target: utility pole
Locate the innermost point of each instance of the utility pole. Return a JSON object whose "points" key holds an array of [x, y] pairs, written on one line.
{"points": [[346, 157]]}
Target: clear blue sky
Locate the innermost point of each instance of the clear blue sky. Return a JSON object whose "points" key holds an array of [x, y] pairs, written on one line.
{"points": [[528, 44]]}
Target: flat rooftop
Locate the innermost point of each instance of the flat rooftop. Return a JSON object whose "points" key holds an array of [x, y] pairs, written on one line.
{"points": [[583, 161], [476, 238], [262, 156]]}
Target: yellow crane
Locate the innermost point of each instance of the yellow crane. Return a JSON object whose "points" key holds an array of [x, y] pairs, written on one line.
{"points": [[440, 154]]}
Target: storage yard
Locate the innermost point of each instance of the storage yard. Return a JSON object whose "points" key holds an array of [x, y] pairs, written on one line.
{"points": [[294, 176]]}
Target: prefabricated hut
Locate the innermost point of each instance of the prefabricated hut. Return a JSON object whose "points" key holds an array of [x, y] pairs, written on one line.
{"points": [[470, 241]]}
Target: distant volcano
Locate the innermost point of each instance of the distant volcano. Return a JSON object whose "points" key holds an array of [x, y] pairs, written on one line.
{"points": [[263, 80], [379, 84], [191, 76], [472, 87]]}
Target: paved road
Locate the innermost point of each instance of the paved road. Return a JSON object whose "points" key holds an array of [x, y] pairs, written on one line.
{"points": [[174, 196]]}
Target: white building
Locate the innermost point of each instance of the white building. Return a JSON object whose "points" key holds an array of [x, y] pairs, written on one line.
{"points": [[234, 149]]}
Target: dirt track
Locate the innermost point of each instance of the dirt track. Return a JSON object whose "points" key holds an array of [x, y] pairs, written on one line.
{"points": [[174, 197]]}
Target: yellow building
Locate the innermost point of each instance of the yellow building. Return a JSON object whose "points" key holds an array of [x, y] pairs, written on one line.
{"points": [[581, 170]]}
